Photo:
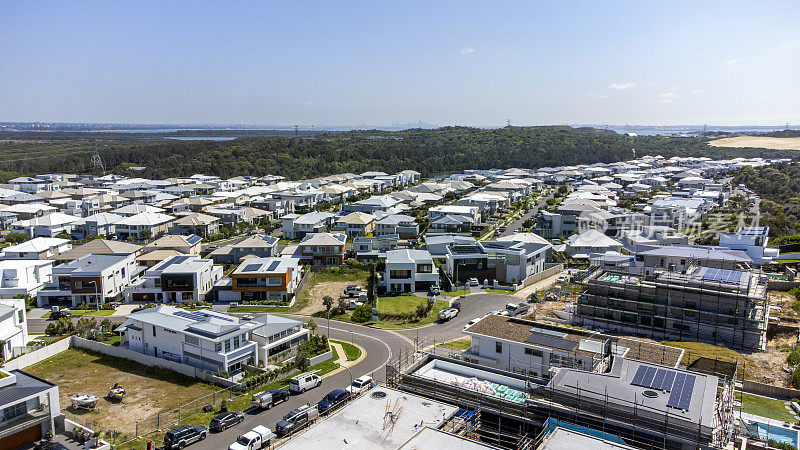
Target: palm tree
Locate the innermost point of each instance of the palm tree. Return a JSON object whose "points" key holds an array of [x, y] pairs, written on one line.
{"points": [[328, 302]]}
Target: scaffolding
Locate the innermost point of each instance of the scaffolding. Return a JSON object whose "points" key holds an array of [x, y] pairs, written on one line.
{"points": [[676, 306], [517, 424]]}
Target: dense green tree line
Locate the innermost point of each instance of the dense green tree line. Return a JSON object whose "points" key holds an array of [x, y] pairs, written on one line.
{"points": [[779, 188]]}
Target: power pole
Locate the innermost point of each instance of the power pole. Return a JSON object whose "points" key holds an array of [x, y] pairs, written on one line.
{"points": [[96, 161], [296, 127]]}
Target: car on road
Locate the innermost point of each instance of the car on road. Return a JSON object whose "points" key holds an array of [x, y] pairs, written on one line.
{"points": [[352, 290], [473, 282], [447, 314], [332, 400], [562, 279], [456, 305], [303, 382], [296, 419], [55, 315], [360, 385], [225, 420], [268, 399], [184, 435], [257, 438]]}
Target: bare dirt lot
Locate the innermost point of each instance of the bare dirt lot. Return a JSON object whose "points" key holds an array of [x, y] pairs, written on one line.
{"points": [[150, 390], [758, 142], [330, 282]]}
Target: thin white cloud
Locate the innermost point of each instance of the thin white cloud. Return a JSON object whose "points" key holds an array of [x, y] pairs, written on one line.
{"points": [[732, 61], [468, 50], [621, 86], [697, 91], [667, 97], [596, 95]]}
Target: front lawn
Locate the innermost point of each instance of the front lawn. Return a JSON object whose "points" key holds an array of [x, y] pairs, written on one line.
{"points": [[86, 312], [459, 344], [500, 291], [258, 309], [456, 293], [397, 304], [694, 351]]}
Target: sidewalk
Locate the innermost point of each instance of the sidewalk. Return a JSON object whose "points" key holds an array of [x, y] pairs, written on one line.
{"points": [[342, 361], [37, 313], [125, 309]]}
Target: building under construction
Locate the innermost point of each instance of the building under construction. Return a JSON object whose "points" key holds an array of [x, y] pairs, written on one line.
{"points": [[692, 303], [635, 404]]}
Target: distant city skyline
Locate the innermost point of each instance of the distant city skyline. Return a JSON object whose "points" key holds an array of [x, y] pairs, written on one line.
{"points": [[363, 64]]}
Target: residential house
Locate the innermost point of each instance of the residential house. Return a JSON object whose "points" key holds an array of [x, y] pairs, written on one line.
{"points": [[508, 260], [323, 249], [267, 279], [98, 247], [298, 226], [204, 339], [405, 227], [177, 279], [92, 279], [450, 224], [409, 271], [259, 246], [373, 248], [143, 226], [278, 337], [36, 248], [752, 240], [195, 223], [102, 224], [383, 203], [470, 212], [134, 209], [29, 406], [591, 241], [188, 245], [47, 226], [30, 210], [356, 224]]}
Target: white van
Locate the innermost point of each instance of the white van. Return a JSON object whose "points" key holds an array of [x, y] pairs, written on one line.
{"points": [[304, 382]]}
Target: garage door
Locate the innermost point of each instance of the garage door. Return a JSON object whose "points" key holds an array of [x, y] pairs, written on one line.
{"points": [[24, 437]]}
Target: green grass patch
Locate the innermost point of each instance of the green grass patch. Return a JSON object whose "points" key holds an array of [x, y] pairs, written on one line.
{"points": [[429, 319], [765, 407], [399, 304], [695, 351], [352, 352], [500, 291], [456, 293], [459, 344], [44, 339], [86, 312]]}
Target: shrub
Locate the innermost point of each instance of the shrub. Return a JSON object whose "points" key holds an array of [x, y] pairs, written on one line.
{"points": [[315, 345], [223, 374], [362, 314], [60, 327], [301, 360], [794, 357], [796, 378], [772, 443]]}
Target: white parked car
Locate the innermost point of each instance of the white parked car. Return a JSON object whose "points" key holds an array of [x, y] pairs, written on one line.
{"points": [[360, 385], [473, 282], [447, 314], [562, 279], [303, 382]]}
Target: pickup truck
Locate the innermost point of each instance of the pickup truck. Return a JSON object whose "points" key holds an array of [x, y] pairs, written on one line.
{"points": [[268, 399], [352, 290], [257, 438], [516, 309], [360, 385], [447, 314]]}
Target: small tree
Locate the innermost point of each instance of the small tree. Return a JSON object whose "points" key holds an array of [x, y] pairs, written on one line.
{"points": [[420, 312], [362, 314], [301, 361], [145, 235], [311, 325], [16, 238], [328, 302]]}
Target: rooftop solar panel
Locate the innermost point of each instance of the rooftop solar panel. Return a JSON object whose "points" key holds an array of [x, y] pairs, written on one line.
{"points": [[180, 259], [551, 341], [190, 315], [252, 267], [637, 379], [686, 394], [648, 377], [666, 385], [677, 390], [273, 265], [659, 379], [193, 239]]}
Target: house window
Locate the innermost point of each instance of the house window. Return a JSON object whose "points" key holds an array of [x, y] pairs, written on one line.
{"points": [[218, 346], [533, 352], [154, 331], [498, 347], [227, 346], [192, 340]]}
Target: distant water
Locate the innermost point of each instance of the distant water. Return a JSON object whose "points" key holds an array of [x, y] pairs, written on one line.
{"points": [[200, 138]]}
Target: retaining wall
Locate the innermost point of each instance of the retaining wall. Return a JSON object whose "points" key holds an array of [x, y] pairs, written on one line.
{"points": [[36, 356], [546, 273]]}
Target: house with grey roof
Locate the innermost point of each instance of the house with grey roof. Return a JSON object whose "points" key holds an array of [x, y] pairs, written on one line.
{"points": [[278, 337], [205, 339], [93, 279], [258, 245], [298, 226], [176, 279], [29, 406]]}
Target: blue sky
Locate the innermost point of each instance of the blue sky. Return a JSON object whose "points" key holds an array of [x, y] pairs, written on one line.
{"points": [[377, 63]]}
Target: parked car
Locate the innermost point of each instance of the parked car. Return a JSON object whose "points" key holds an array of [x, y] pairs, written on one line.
{"points": [[225, 420], [516, 309], [353, 304], [447, 314], [562, 279], [257, 438], [184, 435], [501, 229], [270, 398], [296, 419], [303, 382], [332, 400], [352, 290], [435, 290], [55, 315], [473, 282], [472, 322], [360, 385], [456, 305]]}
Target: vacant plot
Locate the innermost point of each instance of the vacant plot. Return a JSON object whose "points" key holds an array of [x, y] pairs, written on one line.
{"points": [[150, 390], [758, 142], [330, 282]]}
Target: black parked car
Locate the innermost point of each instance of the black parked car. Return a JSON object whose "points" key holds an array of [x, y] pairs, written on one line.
{"points": [[184, 435], [55, 315], [226, 420], [334, 399]]}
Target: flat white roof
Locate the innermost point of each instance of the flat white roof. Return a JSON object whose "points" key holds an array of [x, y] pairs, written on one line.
{"points": [[364, 423]]}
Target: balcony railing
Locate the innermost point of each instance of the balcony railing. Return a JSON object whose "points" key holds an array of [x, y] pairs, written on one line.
{"points": [[21, 422]]}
